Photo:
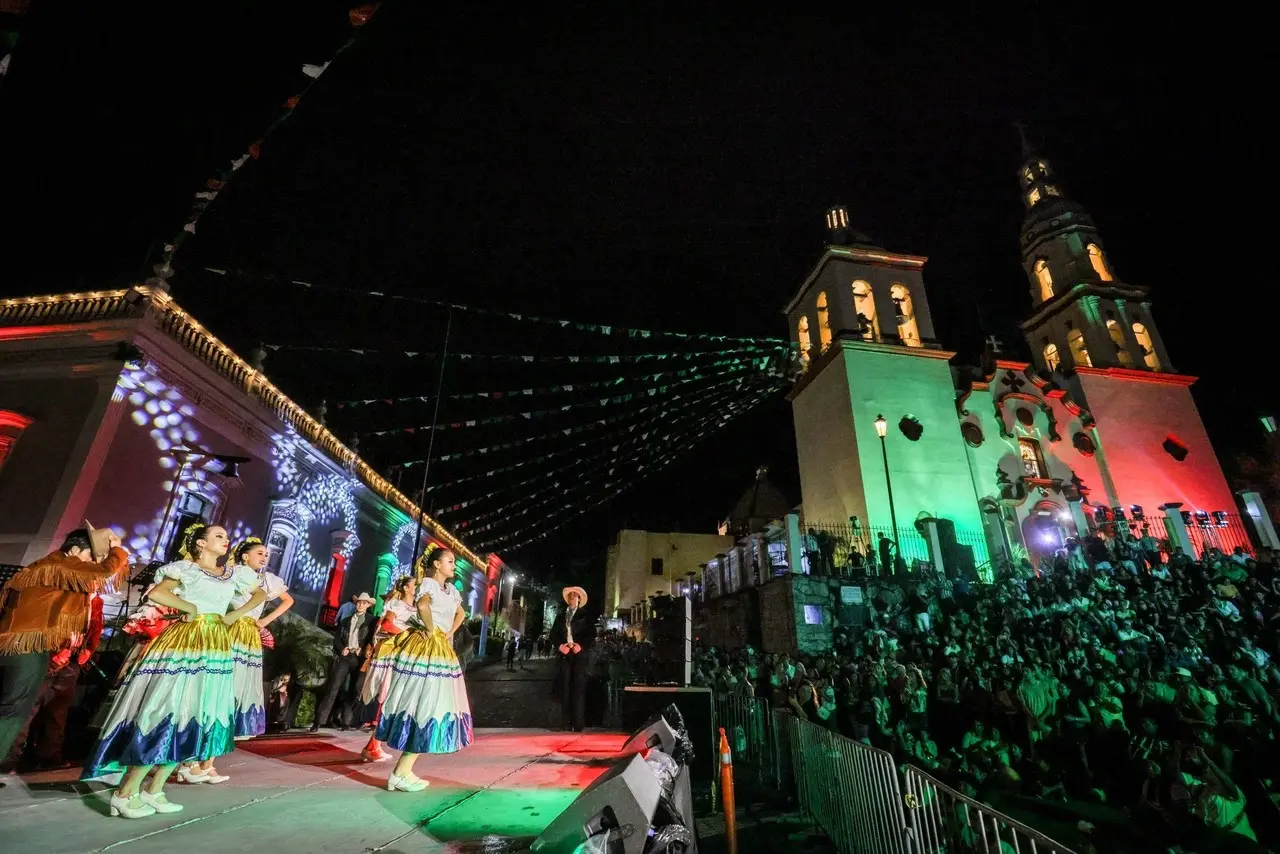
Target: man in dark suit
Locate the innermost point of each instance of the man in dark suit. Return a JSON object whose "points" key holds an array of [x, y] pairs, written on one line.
{"points": [[572, 635], [350, 639]]}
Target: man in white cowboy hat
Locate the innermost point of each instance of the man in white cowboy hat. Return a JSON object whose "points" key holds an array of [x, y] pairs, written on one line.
{"points": [[572, 635], [350, 638]]}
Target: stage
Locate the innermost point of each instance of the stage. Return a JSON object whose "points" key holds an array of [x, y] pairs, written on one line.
{"points": [[307, 793]]}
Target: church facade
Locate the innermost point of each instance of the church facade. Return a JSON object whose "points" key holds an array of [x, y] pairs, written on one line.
{"points": [[1098, 430]]}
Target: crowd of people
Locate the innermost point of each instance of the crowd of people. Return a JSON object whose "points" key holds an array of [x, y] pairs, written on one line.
{"points": [[1114, 679]]}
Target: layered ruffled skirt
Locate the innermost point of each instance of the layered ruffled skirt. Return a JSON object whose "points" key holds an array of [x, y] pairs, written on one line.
{"points": [[177, 704], [250, 701], [425, 707]]}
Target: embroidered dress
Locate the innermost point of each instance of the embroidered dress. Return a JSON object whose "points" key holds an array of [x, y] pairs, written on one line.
{"points": [[177, 705], [246, 651], [399, 612], [426, 708]]}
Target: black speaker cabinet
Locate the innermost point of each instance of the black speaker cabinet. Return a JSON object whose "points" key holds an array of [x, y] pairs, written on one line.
{"points": [[623, 798], [658, 734], [641, 702]]}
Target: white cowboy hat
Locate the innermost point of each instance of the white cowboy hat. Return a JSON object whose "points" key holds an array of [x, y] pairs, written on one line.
{"points": [[365, 597], [99, 541], [582, 595]]}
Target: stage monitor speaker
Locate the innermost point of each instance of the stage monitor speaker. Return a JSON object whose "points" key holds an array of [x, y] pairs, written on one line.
{"points": [[620, 803], [658, 734], [642, 702]]}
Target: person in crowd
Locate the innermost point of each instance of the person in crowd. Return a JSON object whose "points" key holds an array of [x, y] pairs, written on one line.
{"points": [[351, 638], [178, 703], [426, 708], [45, 612], [400, 610], [1127, 674], [510, 650], [572, 635]]}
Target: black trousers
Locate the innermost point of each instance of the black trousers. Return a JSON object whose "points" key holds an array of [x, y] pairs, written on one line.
{"points": [[20, 679], [46, 726], [575, 670], [342, 686]]}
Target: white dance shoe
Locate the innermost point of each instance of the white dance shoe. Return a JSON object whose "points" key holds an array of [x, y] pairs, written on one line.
{"points": [[217, 778], [134, 807], [159, 803], [186, 775], [396, 783]]}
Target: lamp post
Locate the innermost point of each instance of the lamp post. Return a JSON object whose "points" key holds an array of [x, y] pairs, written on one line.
{"points": [[882, 430]]}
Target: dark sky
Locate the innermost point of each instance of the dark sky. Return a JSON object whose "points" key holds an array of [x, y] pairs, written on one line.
{"points": [[660, 170]]}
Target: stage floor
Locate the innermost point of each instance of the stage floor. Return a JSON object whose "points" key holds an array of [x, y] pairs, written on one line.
{"points": [[310, 793]]}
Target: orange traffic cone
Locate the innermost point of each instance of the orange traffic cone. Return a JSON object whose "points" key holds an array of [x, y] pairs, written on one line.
{"points": [[726, 794]]}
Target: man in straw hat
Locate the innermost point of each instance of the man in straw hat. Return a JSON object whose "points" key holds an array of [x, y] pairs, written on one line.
{"points": [[350, 638], [42, 609], [572, 635]]}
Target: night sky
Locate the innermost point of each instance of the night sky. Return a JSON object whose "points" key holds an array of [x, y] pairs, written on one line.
{"points": [[658, 170]]}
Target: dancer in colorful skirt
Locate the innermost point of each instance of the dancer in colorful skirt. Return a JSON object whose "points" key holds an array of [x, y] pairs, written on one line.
{"points": [[177, 705], [395, 619], [249, 636], [426, 708]]}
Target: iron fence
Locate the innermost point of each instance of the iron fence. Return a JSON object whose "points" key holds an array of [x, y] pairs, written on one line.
{"points": [[1222, 531], [943, 820], [857, 794], [844, 550], [850, 790]]}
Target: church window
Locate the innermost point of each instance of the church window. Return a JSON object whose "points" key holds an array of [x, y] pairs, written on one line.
{"points": [[1051, 357], [1149, 355], [864, 305], [1079, 352], [1044, 278], [1033, 197], [911, 427], [1032, 460], [1174, 447], [806, 344], [1122, 347], [824, 323], [1084, 444], [1099, 262], [1028, 176], [908, 331], [1051, 190], [972, 434], [11, 426]]}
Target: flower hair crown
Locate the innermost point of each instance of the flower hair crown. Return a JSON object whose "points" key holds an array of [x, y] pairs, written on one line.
{"points": [[184, 551], [244, 545]]}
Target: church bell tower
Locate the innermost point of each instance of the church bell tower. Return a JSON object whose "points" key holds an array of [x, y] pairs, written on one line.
{"points": [[864, 337]]}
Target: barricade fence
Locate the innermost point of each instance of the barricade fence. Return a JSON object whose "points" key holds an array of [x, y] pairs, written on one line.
{"points": [[858, 795]]}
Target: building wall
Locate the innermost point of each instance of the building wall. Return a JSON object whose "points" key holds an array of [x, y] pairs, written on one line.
{"points": [[831, 480], [1135, 413], [628, 574]]}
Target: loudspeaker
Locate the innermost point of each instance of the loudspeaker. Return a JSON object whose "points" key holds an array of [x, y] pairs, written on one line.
{"points": [[658, 734], [669, 632], [620, 803], [642, 702]]}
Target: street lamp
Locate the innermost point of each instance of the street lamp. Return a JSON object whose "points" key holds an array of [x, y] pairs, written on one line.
{"points": [[882, 430]]}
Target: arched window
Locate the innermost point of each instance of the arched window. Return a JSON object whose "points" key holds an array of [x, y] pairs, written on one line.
{"points": [[1033, 197], [1148, 346], [1099, 262], [1044, 278], [1051, 357], [1117, 337], [864, 306], [11, 426], [905, 312], [1032, 459], [1079, 352], [824, 323], [806, 345]]}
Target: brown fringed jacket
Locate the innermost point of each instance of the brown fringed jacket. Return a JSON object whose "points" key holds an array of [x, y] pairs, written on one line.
{"points": [[47, 602]]}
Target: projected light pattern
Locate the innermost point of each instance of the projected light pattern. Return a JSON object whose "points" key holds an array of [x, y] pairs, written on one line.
{"points": [[327, 500], [286, 448]]}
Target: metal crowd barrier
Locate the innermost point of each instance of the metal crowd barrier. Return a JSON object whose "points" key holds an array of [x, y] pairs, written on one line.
{"points": [[855, 793], [849, 789], [943, 820]]}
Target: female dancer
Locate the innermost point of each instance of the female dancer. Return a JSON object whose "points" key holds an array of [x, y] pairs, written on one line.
{"points": [[248, 637], [426, 708], [177, 705], [395, 619]]}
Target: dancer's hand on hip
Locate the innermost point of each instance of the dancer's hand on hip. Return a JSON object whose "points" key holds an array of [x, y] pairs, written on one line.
{"points": [[228, 620]]}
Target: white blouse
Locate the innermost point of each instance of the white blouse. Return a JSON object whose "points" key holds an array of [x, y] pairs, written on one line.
{"points": [[272, 584], [210, 594], [400, 612], [445, 601]]}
